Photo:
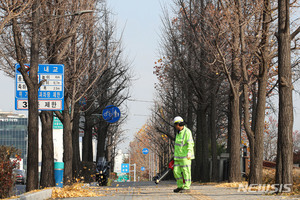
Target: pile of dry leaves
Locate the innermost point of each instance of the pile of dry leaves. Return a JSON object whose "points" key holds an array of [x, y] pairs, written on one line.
{"points": [[75, 190]]}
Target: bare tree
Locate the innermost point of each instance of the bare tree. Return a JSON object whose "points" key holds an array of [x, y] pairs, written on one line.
{"points": [[58, 33], [12, 9], [285, 119], [110, 88], [25, 35], [32, 85]]}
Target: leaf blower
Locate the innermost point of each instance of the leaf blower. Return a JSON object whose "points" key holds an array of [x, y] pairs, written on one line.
{"points": [[158, 178]]}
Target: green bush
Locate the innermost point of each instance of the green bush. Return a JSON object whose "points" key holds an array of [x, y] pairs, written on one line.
{"points": [[6, 168]]}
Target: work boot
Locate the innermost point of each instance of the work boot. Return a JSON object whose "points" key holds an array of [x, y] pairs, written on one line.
{"points": [[185, 191], [177, 190]]}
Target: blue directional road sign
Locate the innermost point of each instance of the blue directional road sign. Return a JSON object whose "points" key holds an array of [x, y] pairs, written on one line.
{"points": [[125, 168], [111, 114], [82, 101], [50, 94], [145, 151], [143, 168]]}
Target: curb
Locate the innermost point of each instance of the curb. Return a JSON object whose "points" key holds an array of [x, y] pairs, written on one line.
{"points": [[40, 195]]}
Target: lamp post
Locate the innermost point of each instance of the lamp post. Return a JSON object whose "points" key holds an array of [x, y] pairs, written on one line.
{"points": [[81, 12]]}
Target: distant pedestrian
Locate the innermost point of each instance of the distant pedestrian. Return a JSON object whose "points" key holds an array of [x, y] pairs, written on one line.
{"points": [[183, 155]]}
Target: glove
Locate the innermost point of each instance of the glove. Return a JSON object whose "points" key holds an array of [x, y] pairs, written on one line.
{"points": [[189, 155]]}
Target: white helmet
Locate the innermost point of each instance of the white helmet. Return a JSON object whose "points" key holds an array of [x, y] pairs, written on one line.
{"points": [[177, 119]]}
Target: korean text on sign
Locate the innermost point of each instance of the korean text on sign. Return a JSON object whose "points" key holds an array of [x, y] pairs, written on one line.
{"points": [[50, 94]]}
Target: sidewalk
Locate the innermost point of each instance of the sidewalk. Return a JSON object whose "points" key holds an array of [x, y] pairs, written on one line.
{"points": [[164, 190], [220, 193]]}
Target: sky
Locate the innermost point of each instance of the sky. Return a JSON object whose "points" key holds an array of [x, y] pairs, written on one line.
{"points": [[140, 22]]}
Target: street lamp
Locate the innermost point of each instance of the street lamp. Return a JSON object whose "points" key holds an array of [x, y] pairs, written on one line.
{"points": [[81, 12]]}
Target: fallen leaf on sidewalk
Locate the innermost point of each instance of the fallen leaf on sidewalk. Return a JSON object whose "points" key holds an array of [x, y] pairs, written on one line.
{"points": [[75, 190], [234, 184]]}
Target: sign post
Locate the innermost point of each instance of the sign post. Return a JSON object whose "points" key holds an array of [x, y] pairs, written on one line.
{"points": [[50, 94]]}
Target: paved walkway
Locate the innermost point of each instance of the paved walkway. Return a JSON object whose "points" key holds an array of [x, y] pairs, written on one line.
{"points": [[151, 191], [222, 193]]}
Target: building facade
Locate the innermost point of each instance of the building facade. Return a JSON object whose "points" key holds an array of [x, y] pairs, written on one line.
{"points": [[118, 161], [13, 132]]}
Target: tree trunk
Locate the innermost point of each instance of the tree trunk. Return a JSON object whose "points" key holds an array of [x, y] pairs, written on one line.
{"points": [[278, 174], [75, 142], [87, 147], [109, 148], [229, 118], [67, 142], [235, 133], [189, 110], [213, 119], [261, 98], [47, 171], [254, 106], [202, 150], [285, 120], [256, 137], [102, 134], [205, 145], [32, 159], [234, 159], [199, 149], [252, 154]]}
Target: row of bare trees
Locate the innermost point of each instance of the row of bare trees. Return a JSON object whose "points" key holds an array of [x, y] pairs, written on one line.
{"points": [[220, 63], [80, 34], [150, 161]]}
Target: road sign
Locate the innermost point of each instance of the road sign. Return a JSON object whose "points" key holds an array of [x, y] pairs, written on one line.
{"points": [[50, 94], [125, 168], [122, 177], [143, 168], [57, 123], [82, 101], [111, 114], [145, 151]]}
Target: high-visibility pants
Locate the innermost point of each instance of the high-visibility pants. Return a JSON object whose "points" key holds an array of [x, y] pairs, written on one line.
{"points": [[182, 170]]}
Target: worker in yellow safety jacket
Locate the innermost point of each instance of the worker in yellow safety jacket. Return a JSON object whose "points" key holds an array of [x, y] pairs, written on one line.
{"points": [[183, 155]]}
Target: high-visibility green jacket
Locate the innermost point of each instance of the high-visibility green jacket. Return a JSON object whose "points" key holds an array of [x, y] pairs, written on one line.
{"points": [[184, 143]]}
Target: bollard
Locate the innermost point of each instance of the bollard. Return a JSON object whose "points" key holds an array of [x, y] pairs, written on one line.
{"points": [[59, 173]]}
